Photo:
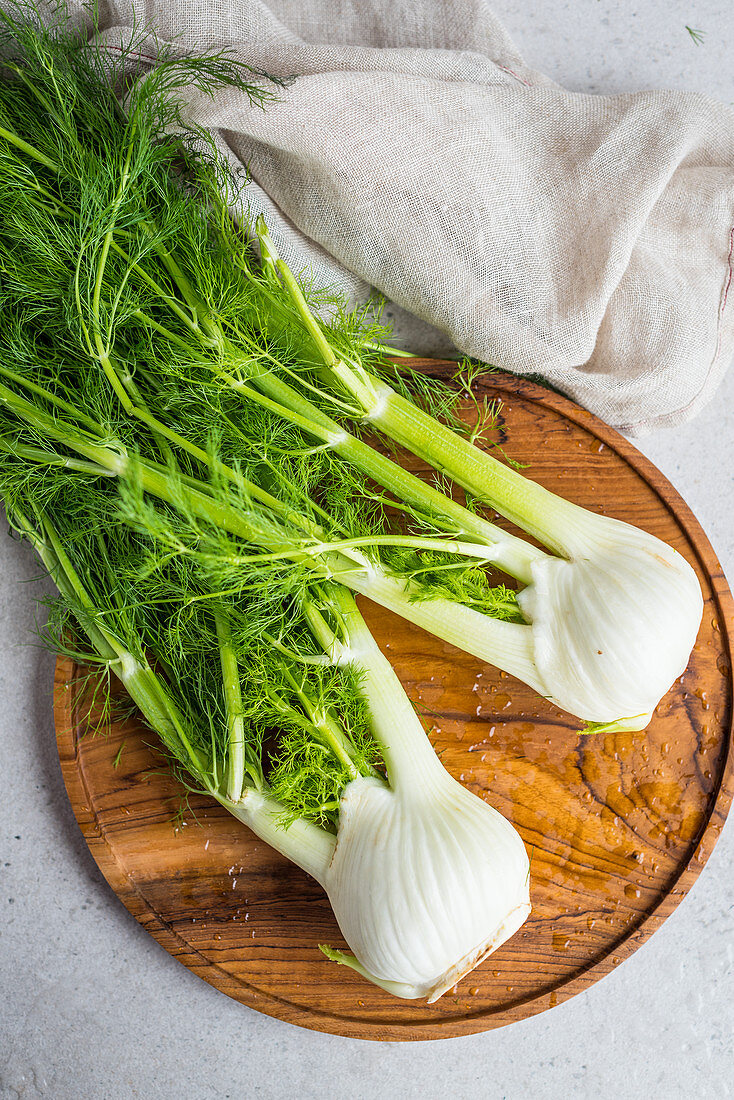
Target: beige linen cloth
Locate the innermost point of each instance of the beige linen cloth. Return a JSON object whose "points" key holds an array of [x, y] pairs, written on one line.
{"points": [[585, 238]]}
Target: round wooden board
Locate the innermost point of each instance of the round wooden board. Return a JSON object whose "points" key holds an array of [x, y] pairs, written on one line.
{"points": [[618, 826]]}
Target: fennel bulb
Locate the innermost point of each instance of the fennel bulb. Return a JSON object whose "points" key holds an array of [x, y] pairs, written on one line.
{"points": [[425, 879], [612, 612], [425, 883], [614, 625]]}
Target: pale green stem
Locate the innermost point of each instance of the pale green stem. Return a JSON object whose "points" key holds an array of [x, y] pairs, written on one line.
{"points": [[474, 550], [334, 737], [323, 345], [325, 728], [157, 289], [54, 566], [343, 958], [138, 679], [508, 646], [510, 553], [29, 150], [350, 548], [233, 707], [47, 458], [53, 399], [405, 747], [102, 351], [392, 353], [153, 700], [201, 315], [172, 336], [553, 521], [307, 845]]}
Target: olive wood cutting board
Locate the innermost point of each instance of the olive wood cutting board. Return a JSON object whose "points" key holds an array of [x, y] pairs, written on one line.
{"points": [[618, 826]]}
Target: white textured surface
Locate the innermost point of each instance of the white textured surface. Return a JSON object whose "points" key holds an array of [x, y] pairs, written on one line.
{"points": [[92, 1009]]}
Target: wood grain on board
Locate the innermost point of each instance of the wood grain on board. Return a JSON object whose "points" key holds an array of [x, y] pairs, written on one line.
{"points": [[618, 825]]}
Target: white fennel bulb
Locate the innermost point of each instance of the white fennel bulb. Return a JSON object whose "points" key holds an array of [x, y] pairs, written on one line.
{"points": [[611, 620], [425, 879], [425, 882], [609, 627], [614, 625]]}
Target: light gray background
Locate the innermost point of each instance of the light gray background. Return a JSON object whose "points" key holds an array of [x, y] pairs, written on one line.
{"points": [[91, 1008]]}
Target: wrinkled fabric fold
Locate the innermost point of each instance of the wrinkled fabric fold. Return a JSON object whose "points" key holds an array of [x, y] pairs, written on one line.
{"points": [[584, 238]]}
